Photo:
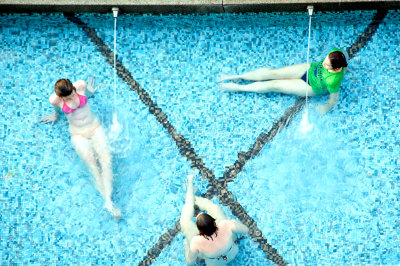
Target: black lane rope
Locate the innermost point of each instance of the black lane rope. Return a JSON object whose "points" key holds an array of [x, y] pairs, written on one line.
{"points": [[219, 187], [366, 36], [264, 138]]}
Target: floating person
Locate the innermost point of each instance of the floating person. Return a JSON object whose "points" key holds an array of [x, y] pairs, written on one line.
{"points": [[213, 236], [323, 76], [87, 134]]}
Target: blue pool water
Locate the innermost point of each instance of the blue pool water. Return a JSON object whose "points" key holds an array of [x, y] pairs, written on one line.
{"points": [[330, 197]]}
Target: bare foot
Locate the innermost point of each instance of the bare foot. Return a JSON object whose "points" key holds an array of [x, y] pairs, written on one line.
{"points": [[109, 206]]}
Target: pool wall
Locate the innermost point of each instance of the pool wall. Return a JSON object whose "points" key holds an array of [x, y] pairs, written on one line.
{"points": [[191, 6]]}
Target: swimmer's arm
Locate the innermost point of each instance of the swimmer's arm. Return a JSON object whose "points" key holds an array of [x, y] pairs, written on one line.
{"points": [[57, 110], [324, 108], [90, 88], [84, 88], [239, 227], [51, 118], [190, 255]]}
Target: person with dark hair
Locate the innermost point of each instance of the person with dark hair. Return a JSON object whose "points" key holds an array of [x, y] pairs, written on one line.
{"points": [[299, 79], [87, 135], [213, 236]]}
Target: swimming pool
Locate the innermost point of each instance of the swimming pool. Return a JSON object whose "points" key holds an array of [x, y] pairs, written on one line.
{"points": [[331, 197]]}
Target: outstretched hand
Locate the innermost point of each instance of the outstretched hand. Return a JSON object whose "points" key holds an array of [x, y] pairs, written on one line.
{"points": [[50, 118], [90, 85]]}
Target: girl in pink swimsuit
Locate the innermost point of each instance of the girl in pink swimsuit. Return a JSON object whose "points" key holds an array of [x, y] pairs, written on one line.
{"points": [[213, 236], [87, 135]]}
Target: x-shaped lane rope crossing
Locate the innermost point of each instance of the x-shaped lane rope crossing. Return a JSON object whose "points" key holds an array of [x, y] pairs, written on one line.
{"points": [[216, 187]]}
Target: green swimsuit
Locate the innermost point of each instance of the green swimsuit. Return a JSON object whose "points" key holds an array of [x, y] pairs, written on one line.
{"points": [[321, 80]]}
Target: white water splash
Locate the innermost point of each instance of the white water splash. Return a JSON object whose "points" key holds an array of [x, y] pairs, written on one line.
{"points": [[305, 126], [119, 136], [115, 128]]}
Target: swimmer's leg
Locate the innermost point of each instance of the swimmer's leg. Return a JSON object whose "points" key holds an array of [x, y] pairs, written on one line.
{"points": [[212, 209], [99, 144], [188, 227], [288, 72], [287, 86], [85, 152]]}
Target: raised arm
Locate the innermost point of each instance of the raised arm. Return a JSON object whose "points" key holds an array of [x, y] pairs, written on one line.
{"points": [[80, 86], [324, 108], [90, 86]]}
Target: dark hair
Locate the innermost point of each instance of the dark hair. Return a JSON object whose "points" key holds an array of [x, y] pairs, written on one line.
{"points": [[206, 225], [63, 87], [337, 59]]}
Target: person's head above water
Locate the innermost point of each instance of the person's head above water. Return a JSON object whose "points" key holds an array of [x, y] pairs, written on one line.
{"points": [[338, 59], [206, 224], [335, 61], [64, 88]]}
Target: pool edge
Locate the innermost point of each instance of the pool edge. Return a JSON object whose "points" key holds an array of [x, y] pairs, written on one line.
{"points": [[191, 6]]}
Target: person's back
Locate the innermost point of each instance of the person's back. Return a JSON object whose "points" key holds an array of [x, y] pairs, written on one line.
{"points": [[212, 245], [213, 236]]}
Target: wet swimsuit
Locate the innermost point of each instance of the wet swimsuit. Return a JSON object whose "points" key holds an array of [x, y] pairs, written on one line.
{"points": [[321, 80], [304, 77], [82, 102]]}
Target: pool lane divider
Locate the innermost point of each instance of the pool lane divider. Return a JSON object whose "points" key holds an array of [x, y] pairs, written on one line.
{"points": [[226, 197], [264, 138], [218, 188], [185, 148], [366, 36]]}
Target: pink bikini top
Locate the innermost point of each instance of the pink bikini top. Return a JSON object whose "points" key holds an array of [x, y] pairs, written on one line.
{"points": [[82, 102]]}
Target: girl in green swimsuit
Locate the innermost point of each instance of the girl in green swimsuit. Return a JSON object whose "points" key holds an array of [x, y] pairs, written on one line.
{"points": [[323, 76]]}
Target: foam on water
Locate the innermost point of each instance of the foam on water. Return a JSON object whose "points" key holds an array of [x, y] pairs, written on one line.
{"points": [[305, 126]]}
